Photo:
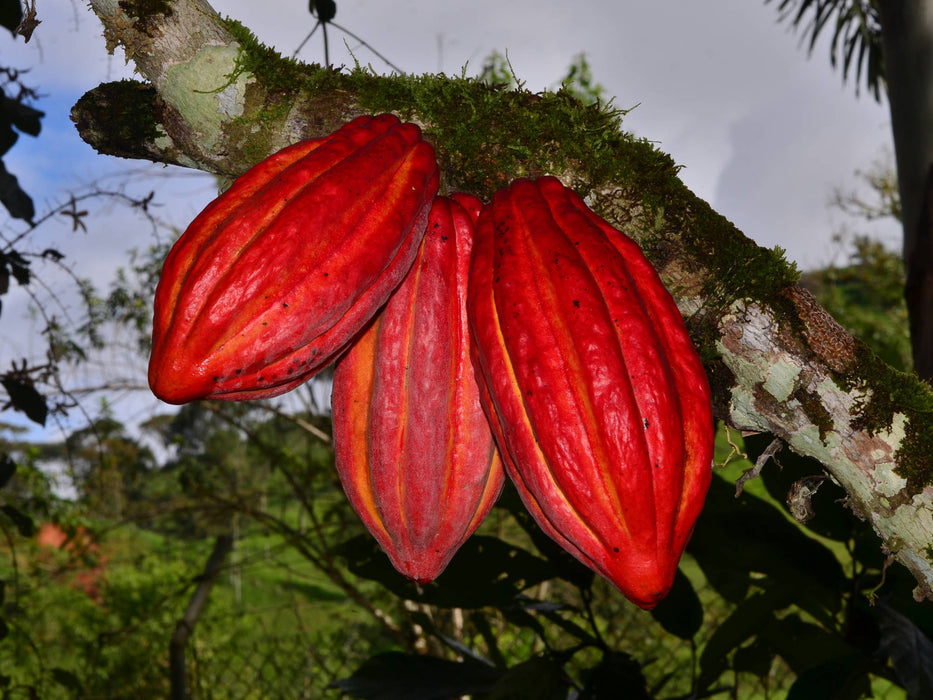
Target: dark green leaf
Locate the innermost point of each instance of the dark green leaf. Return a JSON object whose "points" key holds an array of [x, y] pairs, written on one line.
{"points": [[424, 620], [565, 565], [755, 658], [803, 644], [17, 202], [844, 678], [735, 536], [539, 678], [744, 623], [8, 137], [4, 628], [486, 571], [11, 14], [23, 117], [24, 397], [21, 273], [23, 523], [398, 676], [7, 469], [617, 676], [66, 679], [681, 612], [517, 615], [909, 649]]}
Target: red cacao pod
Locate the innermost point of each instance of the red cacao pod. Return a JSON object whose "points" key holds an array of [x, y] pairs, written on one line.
{"points": [[279, 273], [597, 397], [413, 447]]}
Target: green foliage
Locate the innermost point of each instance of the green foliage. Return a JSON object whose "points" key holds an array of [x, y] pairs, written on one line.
{"points": [[856, 35]]}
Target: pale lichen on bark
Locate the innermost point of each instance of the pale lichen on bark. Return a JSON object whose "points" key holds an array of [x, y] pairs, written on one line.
{"points": [[779, 362]]}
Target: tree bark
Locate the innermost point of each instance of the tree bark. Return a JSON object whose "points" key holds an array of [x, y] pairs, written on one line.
{"points": [[907, 38], [777, 361]]}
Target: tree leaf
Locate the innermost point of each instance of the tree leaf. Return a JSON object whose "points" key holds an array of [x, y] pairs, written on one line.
{"points": [[538, 678], [24, 524], [617, 676], [754, 658], [17, 202], [486, 571], [803, 645], [398, 676], [681, 612], [11, 14], [744, 622], [7, 469], [23, 117], [8, 137], [24, 397], [909, 649], [66, 679], [735, 536], [566, 566], [844, 678]]}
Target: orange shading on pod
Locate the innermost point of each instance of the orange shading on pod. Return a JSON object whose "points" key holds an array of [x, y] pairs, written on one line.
{"points": [[596, 394], [413, 447], [279, 273]]}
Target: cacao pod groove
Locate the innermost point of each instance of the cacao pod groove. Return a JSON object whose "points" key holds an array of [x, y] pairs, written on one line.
{"points": [[596, 395], [414, 449], [278, 274]]}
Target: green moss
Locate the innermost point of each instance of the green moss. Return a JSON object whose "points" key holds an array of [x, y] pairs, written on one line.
{"points": [[278, 74], [891, 392], [146, 12], [123, 115]]}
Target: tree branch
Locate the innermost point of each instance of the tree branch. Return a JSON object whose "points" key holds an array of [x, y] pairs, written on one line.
{"points": [[777, 361]]}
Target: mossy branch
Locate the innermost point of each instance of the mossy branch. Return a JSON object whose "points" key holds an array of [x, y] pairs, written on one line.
{"points": [[217, 100]]}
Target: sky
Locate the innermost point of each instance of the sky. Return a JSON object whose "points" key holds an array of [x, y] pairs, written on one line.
{"points": [[764, 133]]}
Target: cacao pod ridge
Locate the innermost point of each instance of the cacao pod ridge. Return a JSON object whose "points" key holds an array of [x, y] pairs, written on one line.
{"points": [[277, 275], [413, 446], [596, 395]]}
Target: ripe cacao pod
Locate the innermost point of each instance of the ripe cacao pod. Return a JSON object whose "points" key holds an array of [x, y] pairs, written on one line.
{"points": [[279, 273], [413, 447], [597, 397]]}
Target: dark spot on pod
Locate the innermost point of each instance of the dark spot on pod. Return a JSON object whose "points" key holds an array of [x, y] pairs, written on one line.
{"points": [[576, 302]]}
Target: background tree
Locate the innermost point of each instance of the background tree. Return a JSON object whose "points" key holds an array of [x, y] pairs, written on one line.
{"points": [[888, 44]]}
